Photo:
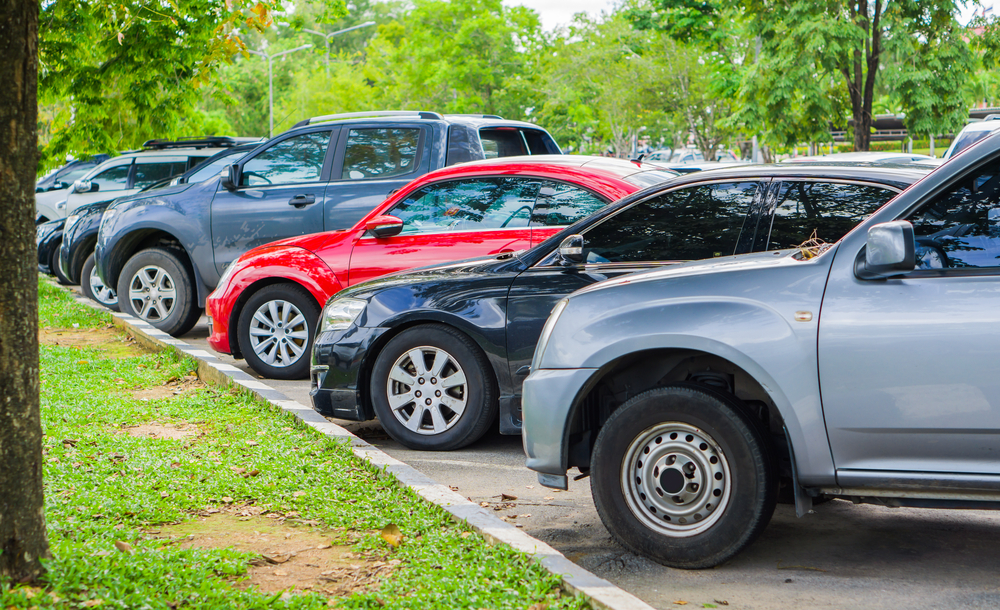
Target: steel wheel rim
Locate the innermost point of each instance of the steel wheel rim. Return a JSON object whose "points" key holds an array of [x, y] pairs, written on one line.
{"points": [[102, 294], [152, 293], [279, 333], [427, 390], [676, 479]]}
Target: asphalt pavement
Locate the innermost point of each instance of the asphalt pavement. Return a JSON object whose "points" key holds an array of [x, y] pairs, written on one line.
{"points": [[842, 556]]}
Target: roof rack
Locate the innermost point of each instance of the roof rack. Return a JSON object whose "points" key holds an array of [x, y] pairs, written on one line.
{"points": [[479, 116], [420, 114], [992, 117], [197, 142]]}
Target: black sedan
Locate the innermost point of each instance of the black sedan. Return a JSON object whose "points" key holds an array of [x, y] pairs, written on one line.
{"points": [[438, 353]]}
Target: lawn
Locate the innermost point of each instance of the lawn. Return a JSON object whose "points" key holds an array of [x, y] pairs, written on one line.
{"points": [[164, 493]]}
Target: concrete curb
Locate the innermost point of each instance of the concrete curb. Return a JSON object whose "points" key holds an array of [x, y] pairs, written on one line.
{"points": [[602, 593]]}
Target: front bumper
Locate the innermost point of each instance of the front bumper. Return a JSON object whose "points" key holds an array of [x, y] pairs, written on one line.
{"points": [[48, 236], [218, 339], [548, 396], [339, 370]]}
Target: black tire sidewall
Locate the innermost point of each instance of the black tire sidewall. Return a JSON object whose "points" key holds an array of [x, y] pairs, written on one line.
{"points": [[301, 299], [754, 484], [88, 290], [481, 403], [185, 312]]}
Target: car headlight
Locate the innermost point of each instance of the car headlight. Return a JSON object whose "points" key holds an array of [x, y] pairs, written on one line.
{"points": [[339, 314], [543, 340]]}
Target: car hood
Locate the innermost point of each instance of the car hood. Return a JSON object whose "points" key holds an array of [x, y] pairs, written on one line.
{"points": [[454, 271], [313, 242], [156, 193], [740, 263]]}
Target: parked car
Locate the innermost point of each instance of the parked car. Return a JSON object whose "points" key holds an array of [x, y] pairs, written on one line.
{"points": [[324, 174], [659, 155], [48, 237], [135, 170], [483, 207], [863, 157], [76, 252], [867, 369], [481, 318], [972, 133], [53, 187]]}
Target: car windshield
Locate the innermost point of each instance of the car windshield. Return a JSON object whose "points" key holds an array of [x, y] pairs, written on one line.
{"points": [[967, 139]]}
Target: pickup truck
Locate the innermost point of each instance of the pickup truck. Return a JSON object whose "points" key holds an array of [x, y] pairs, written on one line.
{"points": [[165, 252], [864, 370]]}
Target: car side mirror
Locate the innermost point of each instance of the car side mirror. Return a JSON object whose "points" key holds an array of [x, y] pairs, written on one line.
{"points": [[384, 226], [890, 250], [571, 250], [231, 177], [86, 186]]}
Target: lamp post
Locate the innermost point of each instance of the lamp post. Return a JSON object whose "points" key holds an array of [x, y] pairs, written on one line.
{"points": [[270, 80], [327, 37]]}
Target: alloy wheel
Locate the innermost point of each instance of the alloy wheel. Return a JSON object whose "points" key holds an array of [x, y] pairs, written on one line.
{"points": [[103, 294], [152, 293], [279, 333], [427, 390]]}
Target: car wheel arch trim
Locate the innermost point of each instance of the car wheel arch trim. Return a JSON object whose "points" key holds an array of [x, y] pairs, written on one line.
{"points": [[252, 289]]}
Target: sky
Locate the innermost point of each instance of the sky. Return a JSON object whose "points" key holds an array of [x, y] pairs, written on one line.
{"points": [[560, 12]]}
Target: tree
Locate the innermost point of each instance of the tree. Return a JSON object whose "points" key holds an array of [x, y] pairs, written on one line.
{"points": [[23, 543]]}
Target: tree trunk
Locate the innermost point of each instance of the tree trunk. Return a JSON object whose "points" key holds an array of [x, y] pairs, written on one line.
{"points": [[22, 519]]}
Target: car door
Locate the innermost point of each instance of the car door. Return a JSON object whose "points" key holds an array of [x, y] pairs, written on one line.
{"points": [[281, 194], [451, 220], [373, 161], [559, 205], [907, 365], [689, 223]]}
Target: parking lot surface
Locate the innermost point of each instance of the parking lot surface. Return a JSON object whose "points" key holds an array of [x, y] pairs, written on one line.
{"points": [[843, 556]]}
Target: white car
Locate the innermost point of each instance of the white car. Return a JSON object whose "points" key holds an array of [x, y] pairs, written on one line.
{"points": [[135, 170], [52, 189], [972, 133]]}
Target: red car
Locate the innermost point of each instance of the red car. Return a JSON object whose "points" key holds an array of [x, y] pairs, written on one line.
{"points": [[272, 295]]}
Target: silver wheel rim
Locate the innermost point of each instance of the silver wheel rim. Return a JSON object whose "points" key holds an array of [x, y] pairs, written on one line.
{"points": [[427, 390], [279, 333], [152, 293], [103, 294], [676, 479]]}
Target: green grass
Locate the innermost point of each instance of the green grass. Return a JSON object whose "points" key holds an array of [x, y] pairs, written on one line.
{"points": [[105, 486]]}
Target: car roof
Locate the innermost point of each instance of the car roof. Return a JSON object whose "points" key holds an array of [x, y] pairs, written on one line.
{"points": [[607, 166], [869, 156], [394, 116], [988, 124]]}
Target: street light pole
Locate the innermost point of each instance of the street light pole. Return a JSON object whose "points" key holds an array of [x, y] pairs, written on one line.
{"points": [[327, 37], [270, 80]]}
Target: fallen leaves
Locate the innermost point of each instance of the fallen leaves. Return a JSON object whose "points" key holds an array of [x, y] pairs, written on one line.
{"points": [[392, 535], [124, 547], [507, 497]]}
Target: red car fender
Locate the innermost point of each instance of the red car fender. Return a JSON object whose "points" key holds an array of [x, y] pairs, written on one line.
{"points": [[274, 265]]}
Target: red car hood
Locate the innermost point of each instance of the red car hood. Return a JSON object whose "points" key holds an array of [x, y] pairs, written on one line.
{"points": [[312, 242]]}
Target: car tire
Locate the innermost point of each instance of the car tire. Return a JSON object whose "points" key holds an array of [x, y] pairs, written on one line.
{"points": [[93, 286], [262, 331], [702, 512], [56, 269], [172, 307], [433, 389]]}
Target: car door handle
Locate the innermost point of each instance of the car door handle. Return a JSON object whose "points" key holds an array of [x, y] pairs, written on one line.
{"points": [[302, 200]]}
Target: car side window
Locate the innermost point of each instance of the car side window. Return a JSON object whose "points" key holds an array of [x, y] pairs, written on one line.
{"points": [[113, 179], [149, 173], [502, 142], [468, 205], [960, 228], [562, 204], [687, 224], [380, 153], [297, 159], [830, 209]]}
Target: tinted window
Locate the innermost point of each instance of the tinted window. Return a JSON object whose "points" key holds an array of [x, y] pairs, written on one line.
{"points": [[831, 210], [297, 159], [113, 179], [967, 139], [961, 227], [563, 204], [687, 224], [210, 170], [380, 153], [465, 205], [502, 142], [149, 173], [539, 142]]}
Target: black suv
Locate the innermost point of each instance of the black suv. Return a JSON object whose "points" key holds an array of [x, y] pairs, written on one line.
{"points": [[165, 251]]}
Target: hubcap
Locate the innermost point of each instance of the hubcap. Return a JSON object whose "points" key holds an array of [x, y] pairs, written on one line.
{"points": [[103, 294], [427, 390], [676, 479], [279, 333], [152, 293]]}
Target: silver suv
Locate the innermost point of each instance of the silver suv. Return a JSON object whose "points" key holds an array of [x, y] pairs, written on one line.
{"points": [[864, 370]]}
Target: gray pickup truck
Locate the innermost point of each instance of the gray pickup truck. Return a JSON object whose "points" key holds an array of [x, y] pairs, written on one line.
{"points": [[865, 370], [165, 250]]}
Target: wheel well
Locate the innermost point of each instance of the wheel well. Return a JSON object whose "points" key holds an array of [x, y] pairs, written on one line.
{"points": [[641, 371], [145, 239], [364, 372], [241, 301]]}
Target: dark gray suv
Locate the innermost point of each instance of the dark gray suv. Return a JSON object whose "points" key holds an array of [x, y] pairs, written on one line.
{"points": [[166, 250]]}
